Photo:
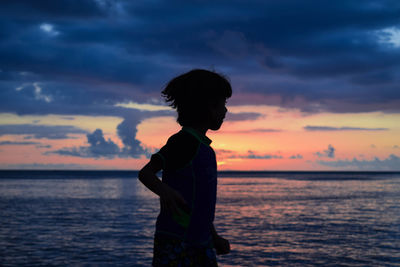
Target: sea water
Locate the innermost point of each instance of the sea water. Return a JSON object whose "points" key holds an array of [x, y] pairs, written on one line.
{"points": [[271, 219]]}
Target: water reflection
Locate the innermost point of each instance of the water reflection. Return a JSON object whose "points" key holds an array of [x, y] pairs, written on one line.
{"points": [[269, 221], [300, 222], [80, 221], [113, 188]]}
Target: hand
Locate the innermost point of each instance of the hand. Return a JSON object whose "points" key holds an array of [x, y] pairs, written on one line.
{"points": [[221, 245], [172, 201]]}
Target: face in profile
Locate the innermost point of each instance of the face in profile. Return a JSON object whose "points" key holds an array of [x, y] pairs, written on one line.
{"points": [[217, 114]]}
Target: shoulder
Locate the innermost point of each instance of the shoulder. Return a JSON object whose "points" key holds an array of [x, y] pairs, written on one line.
{"points": [[182, 139], [179, 150]]}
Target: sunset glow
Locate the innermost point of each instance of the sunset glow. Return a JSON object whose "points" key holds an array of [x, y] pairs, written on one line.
{"points": [[81, 90]]}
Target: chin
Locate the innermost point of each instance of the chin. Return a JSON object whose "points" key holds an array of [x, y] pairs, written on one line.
{"points": [[216, 127]]}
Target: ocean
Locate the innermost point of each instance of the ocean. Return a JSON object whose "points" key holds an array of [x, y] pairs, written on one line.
{"points": [[101, 218]]}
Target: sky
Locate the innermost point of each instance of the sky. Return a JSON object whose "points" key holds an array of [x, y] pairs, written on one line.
{"points": [[315, 83]]}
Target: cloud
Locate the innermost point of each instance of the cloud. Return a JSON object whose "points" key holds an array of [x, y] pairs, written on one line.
{"points": [[390, 36], [17, 143], [43, 146], [49, 29], [298, 156], [330, 152], [147, 107], [127, 132], [54, 9], [39, 95], [100, 147], [49, 166], [40, 131], [252, 155], [391, 163], [259, 130], [328, 128], [243, 116], [87, 56], [231, 44], [262, 130], [223, 151]]}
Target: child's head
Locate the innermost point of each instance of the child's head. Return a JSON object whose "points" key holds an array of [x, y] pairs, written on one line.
{"points": [[199, 97]]}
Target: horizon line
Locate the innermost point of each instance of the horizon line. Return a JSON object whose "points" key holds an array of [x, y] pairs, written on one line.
{"points": [[221, 171]]}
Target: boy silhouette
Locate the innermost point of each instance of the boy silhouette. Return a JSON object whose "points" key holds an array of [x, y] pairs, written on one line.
{"points": [[185, 234]]}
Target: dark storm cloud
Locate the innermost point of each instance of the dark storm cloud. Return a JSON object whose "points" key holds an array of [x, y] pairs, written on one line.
{"points": [[88, 55], [328, 128], [63, 8]]}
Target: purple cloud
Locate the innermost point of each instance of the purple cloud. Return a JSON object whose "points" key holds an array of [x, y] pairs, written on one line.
{"points": [[252, 155], [243, 116], [40, 131], [328, 128], [391, 163], [330, 152]]}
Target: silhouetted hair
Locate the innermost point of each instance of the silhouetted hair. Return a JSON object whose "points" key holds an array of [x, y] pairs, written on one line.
{"points": [[193, 92]]}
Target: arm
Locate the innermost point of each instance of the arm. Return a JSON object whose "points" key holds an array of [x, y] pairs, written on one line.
{"points": [[147, 175], [221, 245], [170, 199]]}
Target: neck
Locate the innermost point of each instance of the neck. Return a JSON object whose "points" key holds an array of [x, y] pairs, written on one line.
{"points": [[200, 129]]}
